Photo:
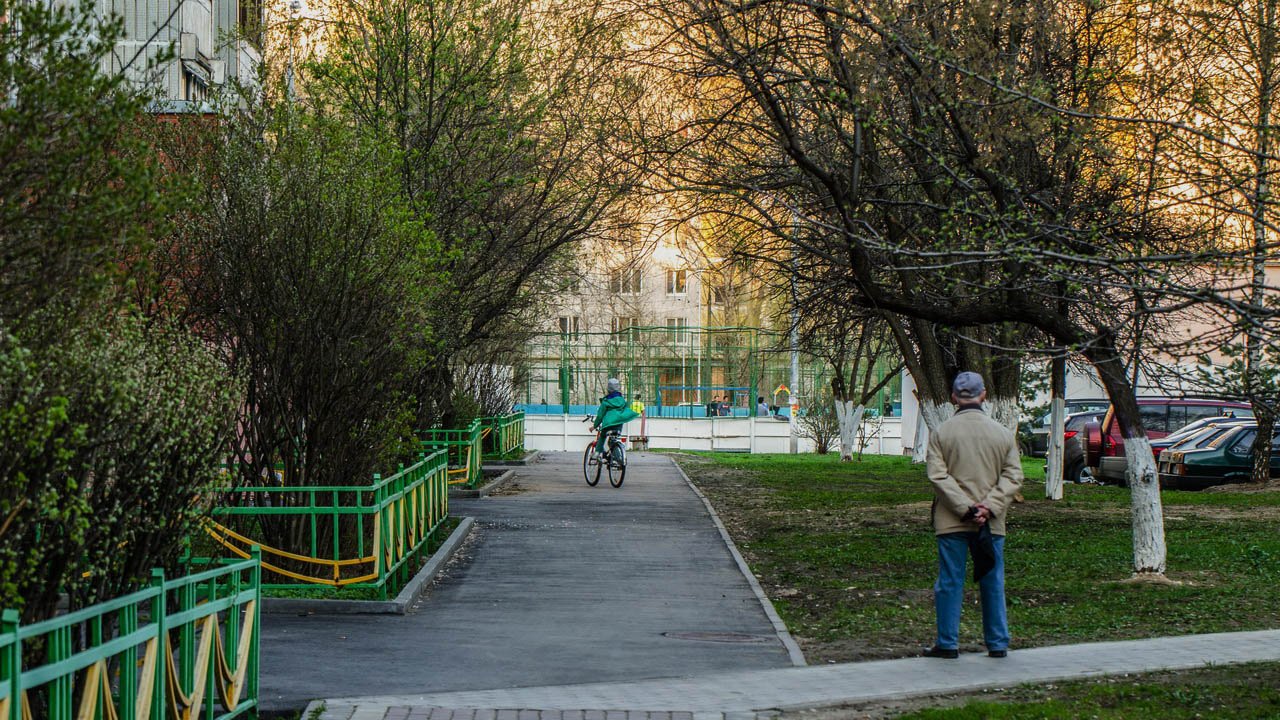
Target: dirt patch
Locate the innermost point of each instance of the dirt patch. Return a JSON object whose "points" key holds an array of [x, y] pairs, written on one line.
{"points": [[511, 487]]}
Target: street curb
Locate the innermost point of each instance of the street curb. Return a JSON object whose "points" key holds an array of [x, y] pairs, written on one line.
{"points": [[529, 458], [483, 490], [793, 648], [399, 606]]}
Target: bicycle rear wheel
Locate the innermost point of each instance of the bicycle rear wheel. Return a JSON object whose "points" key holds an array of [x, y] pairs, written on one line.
{"points": [[590, 472], [617, 464]]}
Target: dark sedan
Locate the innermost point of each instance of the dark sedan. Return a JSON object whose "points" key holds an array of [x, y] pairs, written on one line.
{"points": [[1218, 456]]}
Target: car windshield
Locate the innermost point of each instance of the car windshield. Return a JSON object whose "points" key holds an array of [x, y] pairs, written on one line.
{"points": [[1233, 434], [1198, 427], [1202, 438]]}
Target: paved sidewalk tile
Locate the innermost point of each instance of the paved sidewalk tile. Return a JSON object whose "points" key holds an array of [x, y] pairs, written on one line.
{"points": [[757, 694]]}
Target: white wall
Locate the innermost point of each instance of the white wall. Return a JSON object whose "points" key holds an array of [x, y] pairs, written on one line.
{"points": [[556, 433]]}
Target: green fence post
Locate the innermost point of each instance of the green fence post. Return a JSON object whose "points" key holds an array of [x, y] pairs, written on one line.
{"points": [[255, 553], [12, 661], [158, 609], [565, 379], [379, 517], [60, 688], [129, 665], [187, 641]]}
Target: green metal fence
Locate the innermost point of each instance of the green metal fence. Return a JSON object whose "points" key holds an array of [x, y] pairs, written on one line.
{"points": [[503, 433], [120, 657], [464, 449], [364, 536]]}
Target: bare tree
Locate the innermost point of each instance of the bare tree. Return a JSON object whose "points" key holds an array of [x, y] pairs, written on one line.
{"points": [[500, 111], [856, 344], [951, 163]]}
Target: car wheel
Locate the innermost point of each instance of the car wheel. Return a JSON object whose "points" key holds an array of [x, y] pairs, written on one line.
{"points": [[1073, 472]]}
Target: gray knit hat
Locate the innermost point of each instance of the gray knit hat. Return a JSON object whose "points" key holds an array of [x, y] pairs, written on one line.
{"points": [[614, 385]]}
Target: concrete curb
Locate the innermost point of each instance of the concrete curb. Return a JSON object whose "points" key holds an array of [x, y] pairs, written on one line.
{"points": [[793, 648], [483, 490], [529, 458], [399, 606]]}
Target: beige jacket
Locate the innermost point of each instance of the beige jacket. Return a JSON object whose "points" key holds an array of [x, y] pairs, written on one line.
{"points": [[972, 459]]}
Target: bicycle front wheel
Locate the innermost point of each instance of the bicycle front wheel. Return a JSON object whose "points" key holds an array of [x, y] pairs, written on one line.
{"points": [[617, 465], [590, 470]]}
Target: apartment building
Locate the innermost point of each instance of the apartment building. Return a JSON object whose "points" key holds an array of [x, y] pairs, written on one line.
{"points": [[185, 50]]}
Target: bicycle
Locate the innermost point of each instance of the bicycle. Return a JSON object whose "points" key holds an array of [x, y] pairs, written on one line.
{"points": [[615, 456]]}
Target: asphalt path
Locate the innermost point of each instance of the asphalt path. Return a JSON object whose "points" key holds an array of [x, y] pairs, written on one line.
{"points": [[560, 583]]}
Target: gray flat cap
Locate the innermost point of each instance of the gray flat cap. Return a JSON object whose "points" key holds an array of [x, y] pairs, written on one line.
{"points": [[968, 385]]}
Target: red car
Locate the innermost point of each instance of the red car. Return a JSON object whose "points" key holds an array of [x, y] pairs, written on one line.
{"points": [[1104, 446]]}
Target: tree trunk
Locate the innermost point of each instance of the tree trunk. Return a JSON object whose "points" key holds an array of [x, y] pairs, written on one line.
{"points": [[1262, 442], [1256, 387], [1004, 410], [849, 413], [1057, 415], [932, 415], [1149, 554]]}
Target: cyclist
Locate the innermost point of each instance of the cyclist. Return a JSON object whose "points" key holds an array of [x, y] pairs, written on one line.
{"points": [[611, 416]]}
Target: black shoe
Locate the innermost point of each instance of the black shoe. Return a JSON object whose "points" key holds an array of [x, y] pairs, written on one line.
{"points": [[997, 653], [939, 652]]}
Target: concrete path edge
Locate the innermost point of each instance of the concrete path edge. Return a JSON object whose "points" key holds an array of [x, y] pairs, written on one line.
{"points": [[784, 635], [398, 606], [485, 489], [529, 458]]}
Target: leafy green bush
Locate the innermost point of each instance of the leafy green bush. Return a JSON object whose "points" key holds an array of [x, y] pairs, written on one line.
{"points": [[109, 425], [110, 444]]}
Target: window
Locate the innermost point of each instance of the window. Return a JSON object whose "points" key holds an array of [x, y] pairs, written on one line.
{"points": [[570, 325], [679, 328], [715, 295], [677, 282], [1244, 443], [625, 281], [1155, 418], [624, 323], [250, 21], [1201, 412]]}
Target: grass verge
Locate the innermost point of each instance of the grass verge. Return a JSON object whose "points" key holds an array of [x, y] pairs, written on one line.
{"points": [[846, 553]]}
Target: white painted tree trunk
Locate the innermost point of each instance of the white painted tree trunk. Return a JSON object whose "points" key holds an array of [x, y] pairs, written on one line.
{"points": [[850, 415], [1148, 516], [931, 417], [1004, 411], [1053, 473]]}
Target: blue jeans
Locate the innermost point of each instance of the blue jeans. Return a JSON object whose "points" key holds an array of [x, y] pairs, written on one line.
{"points": [[948, 593]]}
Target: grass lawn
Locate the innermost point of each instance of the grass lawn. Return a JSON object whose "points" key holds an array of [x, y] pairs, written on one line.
{"points": [[846, 554], [1238, 692]]}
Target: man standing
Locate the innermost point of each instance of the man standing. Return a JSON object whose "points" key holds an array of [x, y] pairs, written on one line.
{"points": [[975, 470]]}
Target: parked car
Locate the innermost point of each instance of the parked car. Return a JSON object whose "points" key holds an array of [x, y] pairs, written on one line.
{"points": [[1196, 429], [1073, 467], [1104, 445], [1036, 437], [1226, 457]]}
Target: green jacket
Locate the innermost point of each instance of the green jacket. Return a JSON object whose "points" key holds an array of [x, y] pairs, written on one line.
{"points": [[613, 412]]}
